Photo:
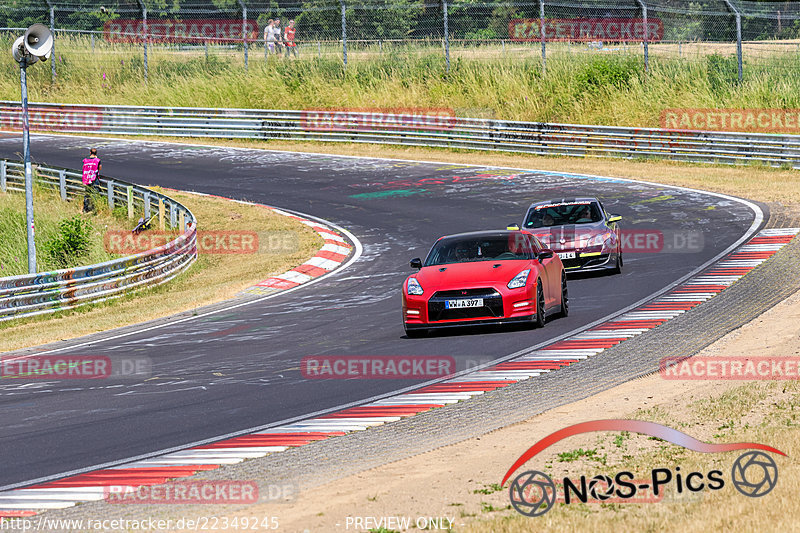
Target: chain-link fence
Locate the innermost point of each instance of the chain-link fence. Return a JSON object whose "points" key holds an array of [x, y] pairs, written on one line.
{"points": [[747, 36]]}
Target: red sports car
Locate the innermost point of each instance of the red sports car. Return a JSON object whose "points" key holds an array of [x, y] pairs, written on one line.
{"points": [[486, 277]]}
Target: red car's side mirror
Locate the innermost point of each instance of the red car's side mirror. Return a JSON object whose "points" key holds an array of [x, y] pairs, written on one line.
{"points": [[545, 254]]}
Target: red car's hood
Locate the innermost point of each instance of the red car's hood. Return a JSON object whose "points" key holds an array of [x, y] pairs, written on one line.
{"points": [[461, 275]]}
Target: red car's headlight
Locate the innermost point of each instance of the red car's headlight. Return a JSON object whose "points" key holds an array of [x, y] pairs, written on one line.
{"points": [[519, 280], [414, 288]]}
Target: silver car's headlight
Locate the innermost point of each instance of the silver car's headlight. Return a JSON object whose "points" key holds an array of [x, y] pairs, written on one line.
{"points": [[600, 240]]}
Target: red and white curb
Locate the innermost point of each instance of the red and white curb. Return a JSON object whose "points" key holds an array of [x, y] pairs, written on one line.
{"points": [[332, 254], [93, 485]]}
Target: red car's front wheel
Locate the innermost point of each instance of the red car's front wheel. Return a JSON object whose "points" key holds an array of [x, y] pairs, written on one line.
{"points": [[540, 308]]}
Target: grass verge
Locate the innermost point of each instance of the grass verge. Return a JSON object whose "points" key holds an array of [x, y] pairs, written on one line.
{"points": [[587, 88], [85, 245], [213, 277]]}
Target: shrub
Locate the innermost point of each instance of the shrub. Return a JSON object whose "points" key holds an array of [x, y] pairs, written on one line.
{"points": [[723, 73], [482, 34], [70, 243], [604, 72]]}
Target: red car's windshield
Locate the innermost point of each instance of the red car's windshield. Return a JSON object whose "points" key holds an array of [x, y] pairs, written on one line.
{"points": [[471, 249], [542, 216]]}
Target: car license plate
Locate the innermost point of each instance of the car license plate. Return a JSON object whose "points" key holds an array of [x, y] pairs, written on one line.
{"points": [[566, 255], [459, 304]]}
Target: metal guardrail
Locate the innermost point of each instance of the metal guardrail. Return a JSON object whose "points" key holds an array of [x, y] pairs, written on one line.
{"points": [[463, 133], [47, 292]]}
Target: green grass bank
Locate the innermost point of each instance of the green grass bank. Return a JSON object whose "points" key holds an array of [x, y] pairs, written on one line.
{"points": [[65, 237], [587, 87]]}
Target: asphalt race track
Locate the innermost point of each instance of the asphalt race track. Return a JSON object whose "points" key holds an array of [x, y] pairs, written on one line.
{"points": [[239, 369]]}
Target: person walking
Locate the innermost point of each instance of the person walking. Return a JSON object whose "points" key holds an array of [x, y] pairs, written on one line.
{"points": [[269, 36], [278, 38], [91, 170], [288, 39]]}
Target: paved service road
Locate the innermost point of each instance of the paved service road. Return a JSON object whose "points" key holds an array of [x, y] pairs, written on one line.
{"points": [[206, 384]]}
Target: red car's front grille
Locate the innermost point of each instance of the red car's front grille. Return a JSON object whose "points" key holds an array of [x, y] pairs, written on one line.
{"points": [[492, 305]]}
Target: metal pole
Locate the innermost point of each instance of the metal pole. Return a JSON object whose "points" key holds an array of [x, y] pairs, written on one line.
{"points": [[92, 35], [646, 35], [739, 44], [62, 184], [147, 208], [446, 37], [26, 148], [738, 16], [53, 31], [110, 193], [146, 36], [244, 32], [344, 33], [542, 36]]}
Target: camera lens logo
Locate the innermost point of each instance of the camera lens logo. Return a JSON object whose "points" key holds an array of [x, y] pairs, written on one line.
{"points": [[532, 493], [601, 487], [754, 474]]}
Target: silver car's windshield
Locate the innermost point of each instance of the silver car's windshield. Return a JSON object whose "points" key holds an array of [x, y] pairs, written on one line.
{"points": [[562, 214]]}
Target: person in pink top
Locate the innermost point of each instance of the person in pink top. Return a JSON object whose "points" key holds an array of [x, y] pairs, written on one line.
{"points": [[91, 170]]}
